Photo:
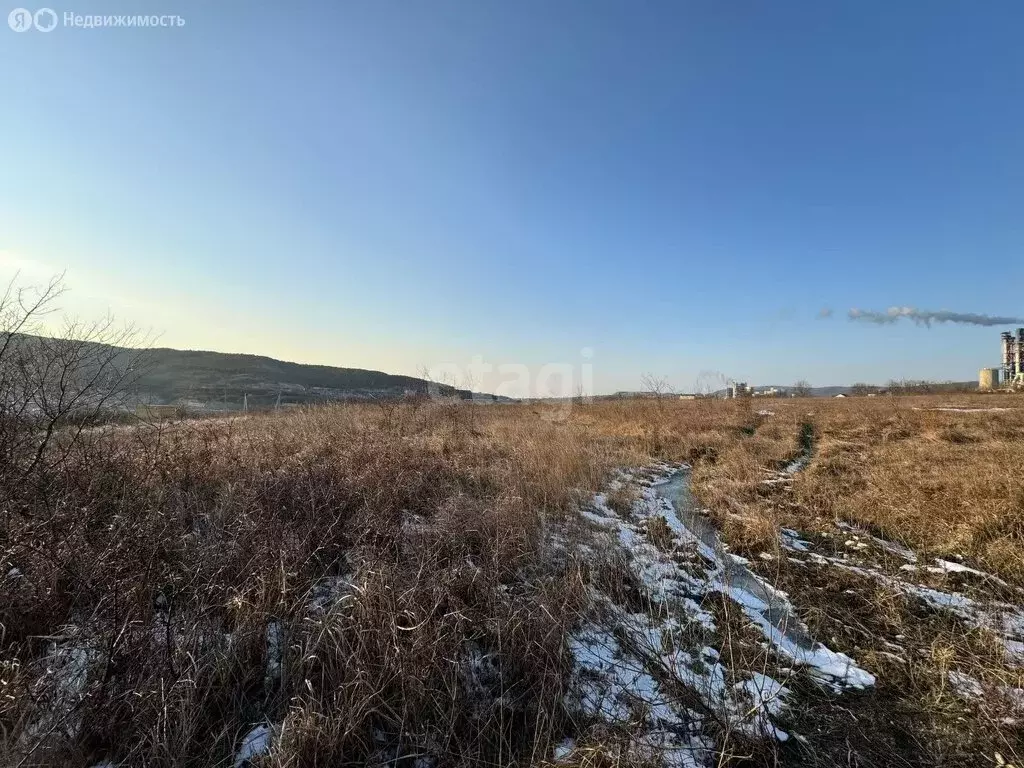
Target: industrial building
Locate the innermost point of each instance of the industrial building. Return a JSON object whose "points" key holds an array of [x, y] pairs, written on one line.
{"points": [[738, 389], [1010, 375]]}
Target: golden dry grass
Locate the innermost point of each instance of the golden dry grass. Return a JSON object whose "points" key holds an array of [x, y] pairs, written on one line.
{"points": [[947, 482], [169, 553], [939, 474]]}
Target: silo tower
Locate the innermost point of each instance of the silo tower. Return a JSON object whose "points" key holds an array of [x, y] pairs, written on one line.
{"points": [[1009, 356]]}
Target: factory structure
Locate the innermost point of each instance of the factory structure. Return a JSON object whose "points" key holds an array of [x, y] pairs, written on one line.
{"points": [[1010, 375], [742, 389], [738, 389]]}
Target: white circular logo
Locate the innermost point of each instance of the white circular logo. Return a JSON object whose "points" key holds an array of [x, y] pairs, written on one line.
{"points": [[45, 19], [20, 20]]}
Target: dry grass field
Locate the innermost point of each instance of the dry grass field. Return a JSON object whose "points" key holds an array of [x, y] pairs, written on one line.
{"points": [[405, 586]]}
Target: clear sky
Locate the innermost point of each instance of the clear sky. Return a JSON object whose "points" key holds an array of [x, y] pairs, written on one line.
{"points": [[679, 187]]}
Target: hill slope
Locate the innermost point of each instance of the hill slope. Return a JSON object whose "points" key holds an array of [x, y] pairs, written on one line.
{"points": [[222, 379]]}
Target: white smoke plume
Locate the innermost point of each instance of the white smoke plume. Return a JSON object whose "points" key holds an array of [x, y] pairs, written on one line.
{"points": [[926, 318]]}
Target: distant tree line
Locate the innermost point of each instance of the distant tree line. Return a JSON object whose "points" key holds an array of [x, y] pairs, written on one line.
{"points": [[923, 387], [861, 389]]}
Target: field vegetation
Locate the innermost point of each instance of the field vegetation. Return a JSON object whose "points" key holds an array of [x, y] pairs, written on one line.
{"points": [[358, 585]]}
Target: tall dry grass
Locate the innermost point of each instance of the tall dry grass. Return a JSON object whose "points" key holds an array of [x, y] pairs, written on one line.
{"points": [[947, 482], [322, 571], [371, 583], [939, 474]]}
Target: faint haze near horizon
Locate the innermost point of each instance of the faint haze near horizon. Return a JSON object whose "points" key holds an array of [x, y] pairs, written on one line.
{"points": [[680, 188]]}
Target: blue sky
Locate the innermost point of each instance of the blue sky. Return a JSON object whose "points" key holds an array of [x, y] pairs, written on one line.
{"points": [[678, 186]]}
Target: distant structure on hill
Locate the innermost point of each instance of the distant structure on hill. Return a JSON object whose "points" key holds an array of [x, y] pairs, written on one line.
{"points": [[738, 389], [1011, 374]]}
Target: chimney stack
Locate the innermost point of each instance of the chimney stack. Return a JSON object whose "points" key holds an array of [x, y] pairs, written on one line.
{"points": [[1020, 352]]}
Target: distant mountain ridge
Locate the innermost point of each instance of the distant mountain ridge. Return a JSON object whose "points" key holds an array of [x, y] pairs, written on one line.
{"points": [[223, 379]]}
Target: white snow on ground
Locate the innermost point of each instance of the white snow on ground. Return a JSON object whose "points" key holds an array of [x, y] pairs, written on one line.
{"points": [[964, 684], [791, 540], [611, 684], [658, 573], [833, 670], [756, 598], [390, 752], [481, 676], [1016, 697], [951, 409], [889, 546], [1015, 651], [62, 686], [785, 475], [255, 743], [650, 670], [795, 465], [1004, 620], [946, 566], [632, 673], [968, 687], [564, 749], [766, 693]]}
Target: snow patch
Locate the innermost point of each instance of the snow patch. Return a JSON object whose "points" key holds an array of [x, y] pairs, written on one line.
{"points": [[951, 409], [630, 668], [647, 674], [1002, 619], [964, 684], [564, 749], [255, 743], [947, 566], [791, 540], [766, 608], [889, 546], [1015, 652], [62, 686]]}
